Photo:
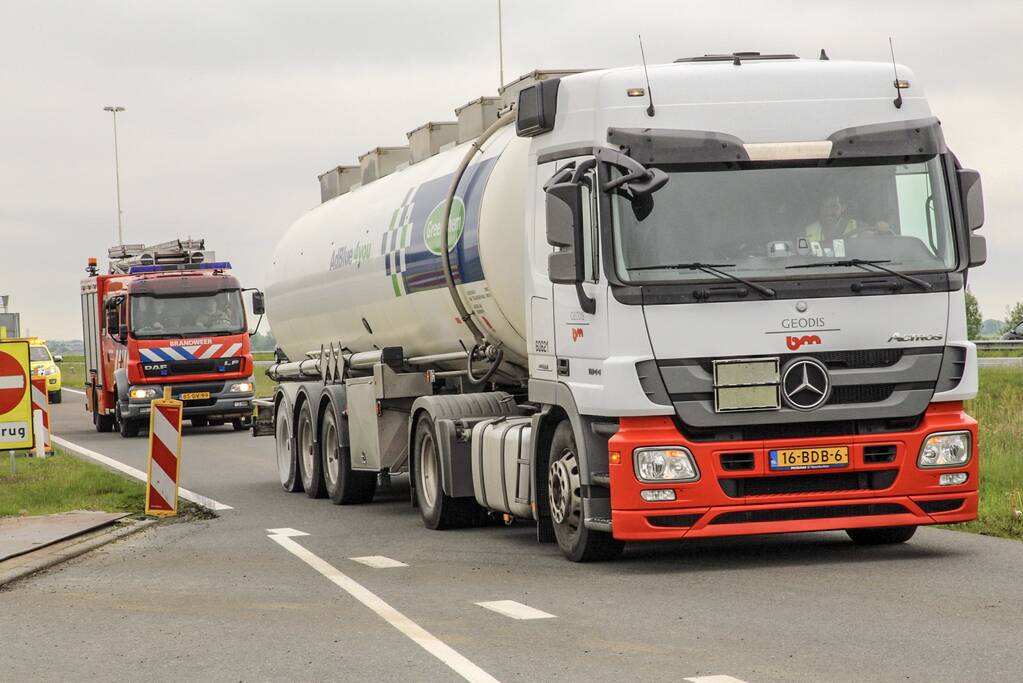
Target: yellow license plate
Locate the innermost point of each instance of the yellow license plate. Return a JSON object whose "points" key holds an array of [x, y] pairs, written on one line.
{"points": [[195, 396], [812, 458]]}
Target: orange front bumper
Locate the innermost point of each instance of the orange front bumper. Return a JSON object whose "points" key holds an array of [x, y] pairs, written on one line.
{"points": [[759, 501]]}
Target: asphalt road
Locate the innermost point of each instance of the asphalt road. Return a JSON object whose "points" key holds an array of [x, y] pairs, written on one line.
{"points": [[225, 599]]}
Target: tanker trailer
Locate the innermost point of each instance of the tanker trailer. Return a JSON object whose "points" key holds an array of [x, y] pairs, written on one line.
{"points": [[733, 309]]}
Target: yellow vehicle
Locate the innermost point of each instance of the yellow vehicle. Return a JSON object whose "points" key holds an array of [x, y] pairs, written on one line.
{"points": [[44, 364]]}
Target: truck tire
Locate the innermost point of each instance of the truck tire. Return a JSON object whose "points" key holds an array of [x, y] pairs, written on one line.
{"points": [[199, 421], [239, 424], [344, 486], [104, 423], [438, 510], [564, 492], [55, 397], [287, 455], [310, 465], [887, 535], [128, 427]]}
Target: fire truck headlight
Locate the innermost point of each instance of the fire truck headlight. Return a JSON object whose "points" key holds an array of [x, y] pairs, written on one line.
{"points": [[142, 393], [242, 388], [673, 463], [946, 449]]}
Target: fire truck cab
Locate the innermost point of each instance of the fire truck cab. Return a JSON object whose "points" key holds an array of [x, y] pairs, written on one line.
{"points": [[167, 316]]}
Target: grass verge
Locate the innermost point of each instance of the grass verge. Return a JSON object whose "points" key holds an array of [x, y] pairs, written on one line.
{"points": [[62, 483], [999, 410]]}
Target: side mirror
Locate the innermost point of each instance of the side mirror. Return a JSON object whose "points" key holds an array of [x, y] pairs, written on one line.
{"points": [[258, 303], [564, 231], [122, 333], [113, 320], [58, 359], [971, 197], [978, 250]]}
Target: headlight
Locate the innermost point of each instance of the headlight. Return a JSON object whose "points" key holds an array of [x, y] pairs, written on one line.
{"points": [[48, 371], [143, 392], [947, 449], [673, 463], [242, 388]]}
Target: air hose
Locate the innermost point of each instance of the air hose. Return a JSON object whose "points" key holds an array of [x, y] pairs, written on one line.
{"points": [[484, 349]]}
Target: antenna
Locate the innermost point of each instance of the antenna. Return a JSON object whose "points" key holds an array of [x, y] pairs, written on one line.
{"points": [[500, 46], [650, 95], [898, 88]]}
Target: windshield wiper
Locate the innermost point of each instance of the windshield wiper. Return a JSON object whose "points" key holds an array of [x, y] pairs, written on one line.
{"points": [[863, 264], [712, 269]]}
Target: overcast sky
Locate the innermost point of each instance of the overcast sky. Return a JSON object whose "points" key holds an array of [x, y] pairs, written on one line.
{"points": [[234, 107]]}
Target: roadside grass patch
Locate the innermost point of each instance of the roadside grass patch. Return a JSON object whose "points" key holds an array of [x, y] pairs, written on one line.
{"points": [[62, 483], [999, 410]]}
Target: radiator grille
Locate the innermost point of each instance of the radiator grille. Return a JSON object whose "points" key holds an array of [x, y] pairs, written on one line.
{"points": [[740, 487]]}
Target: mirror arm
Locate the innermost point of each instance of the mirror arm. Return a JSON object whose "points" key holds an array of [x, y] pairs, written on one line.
{"points": [[259, 322]]}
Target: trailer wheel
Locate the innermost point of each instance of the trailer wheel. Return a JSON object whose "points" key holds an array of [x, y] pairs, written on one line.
{"points": [[287, 456], [438, 510], [310, 466], [887, 535], [344, 485], [564, 491]]}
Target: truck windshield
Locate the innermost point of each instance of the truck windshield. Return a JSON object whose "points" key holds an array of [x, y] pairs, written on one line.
{"points": [[761, 221], [196, 315]]}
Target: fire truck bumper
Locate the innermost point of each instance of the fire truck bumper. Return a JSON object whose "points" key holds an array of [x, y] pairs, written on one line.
{"points": [[214, 400], [738, 492]]}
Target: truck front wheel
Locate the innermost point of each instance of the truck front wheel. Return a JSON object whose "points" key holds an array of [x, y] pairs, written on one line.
{"points": [[128, 427], [344, 485], [438, 510], [309, 463], [564, 497]]}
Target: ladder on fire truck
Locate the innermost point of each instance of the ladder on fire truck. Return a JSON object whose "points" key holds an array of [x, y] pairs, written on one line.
{"points": [[174, 252]]}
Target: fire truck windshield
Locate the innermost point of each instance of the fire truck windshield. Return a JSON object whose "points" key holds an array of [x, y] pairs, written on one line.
{"points": [[196, 315]]}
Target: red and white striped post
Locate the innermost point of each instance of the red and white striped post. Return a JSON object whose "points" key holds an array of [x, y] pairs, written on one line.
{"points": [[164, 456], [41, 417]]}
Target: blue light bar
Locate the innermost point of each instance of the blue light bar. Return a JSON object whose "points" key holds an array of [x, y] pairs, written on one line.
{"points": [[171, 267]]}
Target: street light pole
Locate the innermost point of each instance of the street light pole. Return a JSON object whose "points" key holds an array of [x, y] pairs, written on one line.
{"points": [[117, 175]]}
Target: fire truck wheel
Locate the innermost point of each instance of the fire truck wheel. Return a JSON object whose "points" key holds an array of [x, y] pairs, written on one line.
{"points": [[310, 465], [103, 423], [564, 491], [287, 455], [344, 486], [438, 510], [887, 535], [128, 427], [55, 397]]}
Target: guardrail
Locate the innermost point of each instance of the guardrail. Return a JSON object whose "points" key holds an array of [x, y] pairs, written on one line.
{"points": [[999, 344]]}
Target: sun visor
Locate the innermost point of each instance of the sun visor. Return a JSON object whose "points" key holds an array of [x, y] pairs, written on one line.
{"points": [[918, 137], [664, 146]]}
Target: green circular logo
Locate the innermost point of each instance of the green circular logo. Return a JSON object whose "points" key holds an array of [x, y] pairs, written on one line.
{"points": [[431, 231]]}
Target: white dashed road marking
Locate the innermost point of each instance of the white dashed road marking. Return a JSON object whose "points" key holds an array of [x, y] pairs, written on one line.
{"points": [[378, 562], [515, 610], [192, 496], [714, 679], [420, 636]]}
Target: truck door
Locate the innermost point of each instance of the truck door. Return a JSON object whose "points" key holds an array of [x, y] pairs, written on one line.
{"points": [[580, 327]]}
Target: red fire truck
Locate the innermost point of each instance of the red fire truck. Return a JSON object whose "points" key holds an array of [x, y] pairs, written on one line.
{"points": [[168, 315]]}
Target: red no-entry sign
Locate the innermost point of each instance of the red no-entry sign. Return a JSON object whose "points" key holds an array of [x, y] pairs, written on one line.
{"points": [[13, 382]]}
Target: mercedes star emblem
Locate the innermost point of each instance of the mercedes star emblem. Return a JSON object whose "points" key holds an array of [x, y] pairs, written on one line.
{"points": [[806, 384]]}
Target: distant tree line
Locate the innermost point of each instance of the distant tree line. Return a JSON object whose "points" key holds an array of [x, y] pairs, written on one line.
{"points": [[977, 326]]}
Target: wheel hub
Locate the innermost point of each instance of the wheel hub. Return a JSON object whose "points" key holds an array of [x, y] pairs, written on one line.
{"points": [[562, 484]]}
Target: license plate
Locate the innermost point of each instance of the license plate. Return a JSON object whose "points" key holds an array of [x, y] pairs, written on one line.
{"points": [[195, 396], [815, 458]]}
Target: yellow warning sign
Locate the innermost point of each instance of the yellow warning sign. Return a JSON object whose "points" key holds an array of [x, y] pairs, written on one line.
{"points": [[15, 396]]}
